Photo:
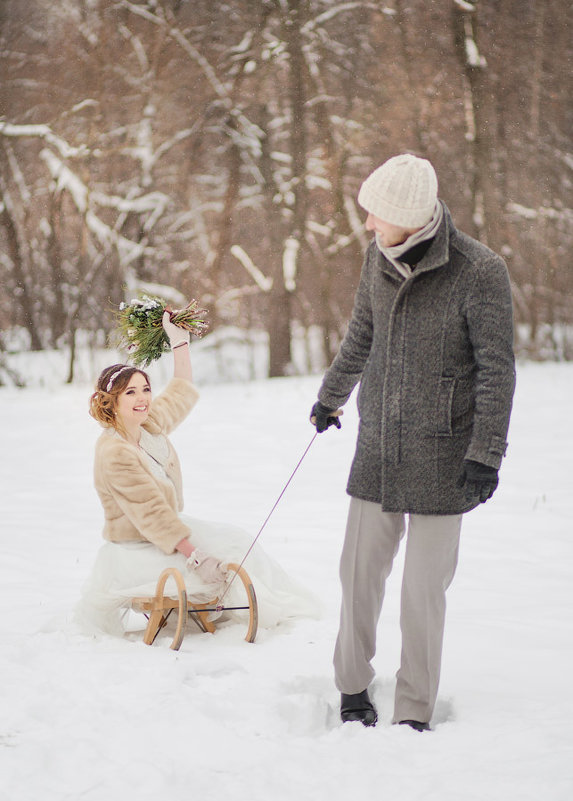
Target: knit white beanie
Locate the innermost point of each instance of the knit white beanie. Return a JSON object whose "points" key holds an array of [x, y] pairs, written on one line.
{"points": [[403, 191]]}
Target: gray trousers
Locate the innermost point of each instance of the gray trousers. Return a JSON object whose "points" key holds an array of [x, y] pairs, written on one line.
{"points": [[371, 543]]}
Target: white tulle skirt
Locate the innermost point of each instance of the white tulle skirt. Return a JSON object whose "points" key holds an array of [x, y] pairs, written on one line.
{"points": [[124, 571]]}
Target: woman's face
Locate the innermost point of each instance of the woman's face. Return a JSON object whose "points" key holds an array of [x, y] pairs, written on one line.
{"points": [[134, 402]]}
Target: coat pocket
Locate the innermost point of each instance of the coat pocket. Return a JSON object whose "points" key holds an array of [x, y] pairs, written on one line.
{"points": [[454, 405], [444, 404]]}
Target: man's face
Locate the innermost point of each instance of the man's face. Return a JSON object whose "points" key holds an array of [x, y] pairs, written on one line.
{"points": [[389, 234]]}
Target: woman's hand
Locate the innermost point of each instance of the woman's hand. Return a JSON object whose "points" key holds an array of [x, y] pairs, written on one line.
{"points": [[177, 336], [179, 341], [208, 568]]}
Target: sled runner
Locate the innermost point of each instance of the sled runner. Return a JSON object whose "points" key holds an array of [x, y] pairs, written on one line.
{"points": [[158, 608]]}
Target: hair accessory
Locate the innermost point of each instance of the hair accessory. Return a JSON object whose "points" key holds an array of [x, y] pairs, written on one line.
{"points": [[115, 375]]}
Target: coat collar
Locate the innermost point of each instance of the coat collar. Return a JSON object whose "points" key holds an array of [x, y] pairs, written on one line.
{"points": [[437, 254]]}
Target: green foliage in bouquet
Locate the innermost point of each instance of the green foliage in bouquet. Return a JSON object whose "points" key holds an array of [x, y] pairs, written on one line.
{"points": [[140, 332]]}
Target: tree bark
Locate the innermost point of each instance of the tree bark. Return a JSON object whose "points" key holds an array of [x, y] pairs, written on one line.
{"points": [[24, 295], [281, 295], [487, 211]]}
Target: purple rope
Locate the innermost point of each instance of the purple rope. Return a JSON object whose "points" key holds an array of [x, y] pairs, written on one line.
{"points": [[269, 515]]}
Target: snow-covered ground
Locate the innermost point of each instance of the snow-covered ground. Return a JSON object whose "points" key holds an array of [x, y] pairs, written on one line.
{"points": [[104, 719]]}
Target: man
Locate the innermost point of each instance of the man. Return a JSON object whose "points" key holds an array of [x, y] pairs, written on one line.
{"points": [[431, 342]]}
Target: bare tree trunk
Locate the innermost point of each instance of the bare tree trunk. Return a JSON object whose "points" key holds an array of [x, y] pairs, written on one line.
{"points": [[487, 212], [278, 315], [24, 296], [224, 236], [71, 365], [298, 139], [283, 286], [408, 59], [54, 258], [535, 303], [537, 73]]}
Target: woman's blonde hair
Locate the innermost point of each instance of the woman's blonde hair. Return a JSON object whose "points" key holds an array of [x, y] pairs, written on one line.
{"points": [[110, 384]]}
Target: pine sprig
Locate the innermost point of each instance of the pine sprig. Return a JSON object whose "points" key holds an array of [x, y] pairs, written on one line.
{"points": [[140, 332]]}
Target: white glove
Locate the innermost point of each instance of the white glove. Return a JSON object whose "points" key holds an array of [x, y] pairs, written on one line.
{"points": [[175, 334], [209, 569]]}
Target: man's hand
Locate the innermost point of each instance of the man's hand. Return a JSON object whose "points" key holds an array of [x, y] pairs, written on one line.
{"points": [[480, 480], [322, 417]]}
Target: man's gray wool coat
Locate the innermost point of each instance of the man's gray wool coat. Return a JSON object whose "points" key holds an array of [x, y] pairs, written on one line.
{"points": [[434, 357]]}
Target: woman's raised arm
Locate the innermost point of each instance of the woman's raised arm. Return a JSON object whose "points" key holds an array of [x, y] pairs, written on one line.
{"points": [[179, 341]]}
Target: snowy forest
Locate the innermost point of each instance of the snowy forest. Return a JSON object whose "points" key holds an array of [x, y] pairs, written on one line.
{"points": [[214, 150]]}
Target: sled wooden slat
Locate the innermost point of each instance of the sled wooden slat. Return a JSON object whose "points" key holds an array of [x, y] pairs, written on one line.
{"points": [[159, 607]]}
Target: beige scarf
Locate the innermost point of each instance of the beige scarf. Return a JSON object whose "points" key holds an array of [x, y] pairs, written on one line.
{"points": [[427, 232]]}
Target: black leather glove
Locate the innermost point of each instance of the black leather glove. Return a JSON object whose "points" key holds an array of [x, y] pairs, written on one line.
{"points": [[480, 480], [322, 417]]}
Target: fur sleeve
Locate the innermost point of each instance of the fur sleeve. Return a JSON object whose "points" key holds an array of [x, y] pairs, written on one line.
{"points": [[172, 406]]}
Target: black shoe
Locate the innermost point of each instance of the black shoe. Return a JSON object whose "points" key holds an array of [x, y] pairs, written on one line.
{"points": [[358, 706], [415, 724]]}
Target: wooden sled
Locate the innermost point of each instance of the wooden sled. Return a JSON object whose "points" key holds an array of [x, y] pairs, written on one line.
{"points": [[159, 607]]}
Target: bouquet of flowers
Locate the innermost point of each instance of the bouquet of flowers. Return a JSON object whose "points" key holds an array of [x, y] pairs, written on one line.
{"points": [[140, 332]]}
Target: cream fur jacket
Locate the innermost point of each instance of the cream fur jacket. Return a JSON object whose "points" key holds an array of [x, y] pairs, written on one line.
{"points": [[138, 505]]}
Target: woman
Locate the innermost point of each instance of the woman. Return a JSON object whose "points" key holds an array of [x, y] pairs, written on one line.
{"points": [[138, 479]]}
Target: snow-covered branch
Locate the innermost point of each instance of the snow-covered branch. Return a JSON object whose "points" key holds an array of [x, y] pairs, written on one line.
{"points": [[142, 12], [138, 48], [463, 5], [547, 212], [67, 180], [469, 113], [356, 224], [137, 205], [290, 263], [264, 283], [473, 57], [43, 132], [178, 137], [168, 293], [250, 132], [18, 176], [326, 16]]}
